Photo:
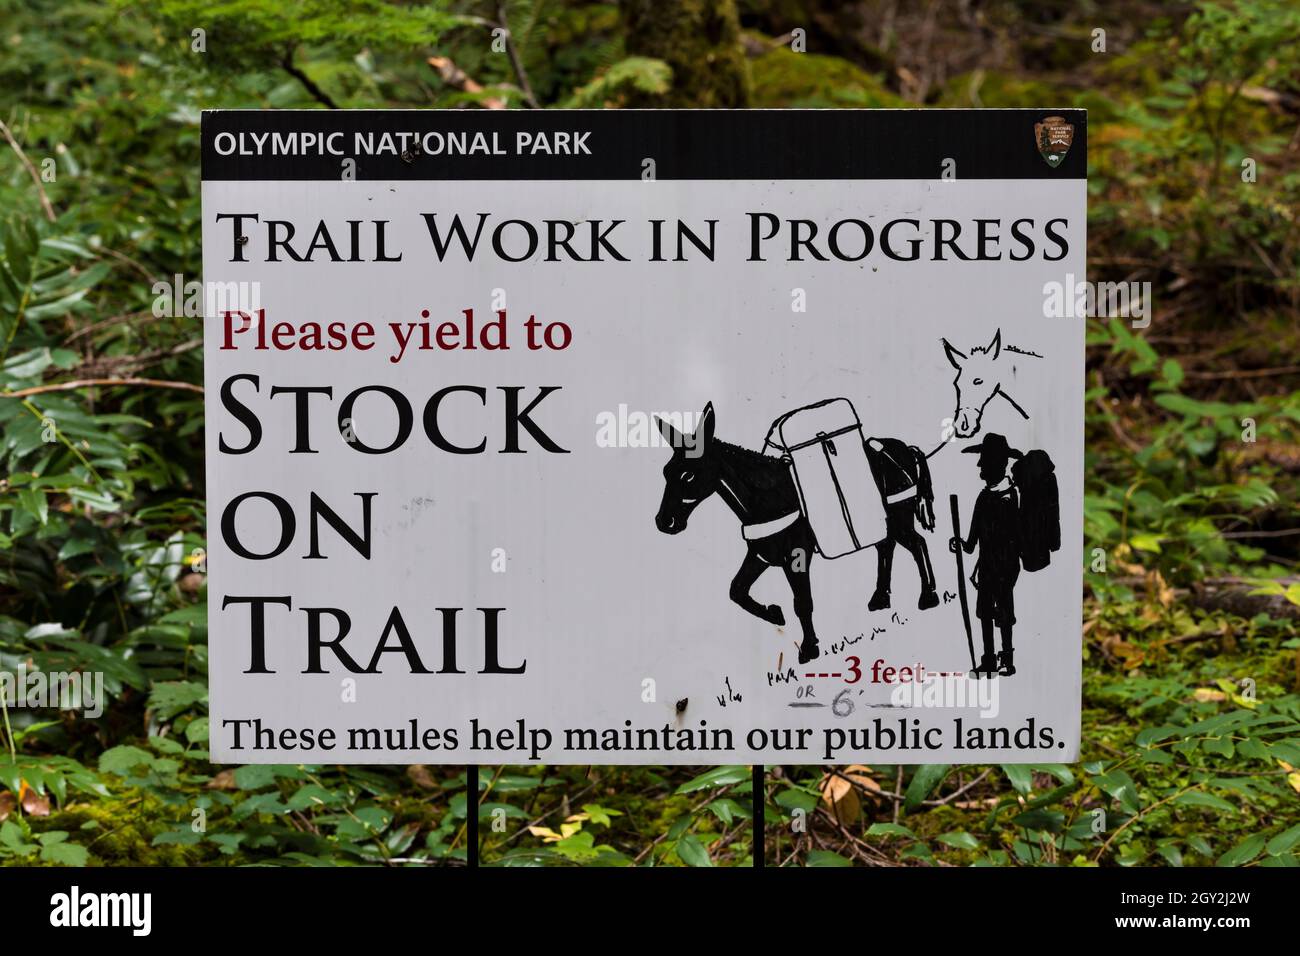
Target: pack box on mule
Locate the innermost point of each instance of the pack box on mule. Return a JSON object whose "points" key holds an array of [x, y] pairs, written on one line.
{"points": [[837, 491]]}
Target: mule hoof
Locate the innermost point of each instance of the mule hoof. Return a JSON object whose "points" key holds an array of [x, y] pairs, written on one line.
{"points": [[775, 615], [928, 599], [809, 651], [879, 601]]}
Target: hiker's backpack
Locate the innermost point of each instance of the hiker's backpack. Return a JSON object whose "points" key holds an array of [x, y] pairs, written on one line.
{"points": [[1039, 516], [837, 492]]}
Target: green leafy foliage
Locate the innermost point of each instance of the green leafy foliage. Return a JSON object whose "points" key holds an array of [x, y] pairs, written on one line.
{"points": [[1191, 716]]}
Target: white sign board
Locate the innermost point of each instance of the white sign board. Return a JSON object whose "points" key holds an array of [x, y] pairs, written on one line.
{"points": [[642, 437]]}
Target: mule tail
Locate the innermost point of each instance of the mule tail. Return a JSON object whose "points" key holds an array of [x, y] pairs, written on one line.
{"points": [[924, 489]]}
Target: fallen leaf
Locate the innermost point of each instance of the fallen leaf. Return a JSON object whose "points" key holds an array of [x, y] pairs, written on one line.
{"points": [[1161, 589], [976, 804], [1115, 648], [35, 805], [1119, 555], [842, 797], [1261, 94], [420, 776], [7, 804], [839, 797], [861, 775], [225, 780], [1207, 694]]}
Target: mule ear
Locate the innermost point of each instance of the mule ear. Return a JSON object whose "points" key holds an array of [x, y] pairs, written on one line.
{"points": [[704, 430], [995, 346], [671, 434], [955, 357]]}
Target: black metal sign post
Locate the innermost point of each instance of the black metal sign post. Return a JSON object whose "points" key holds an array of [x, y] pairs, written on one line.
{"points": [[471, 816]]}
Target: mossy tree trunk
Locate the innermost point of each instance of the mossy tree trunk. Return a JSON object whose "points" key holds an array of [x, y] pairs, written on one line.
{"points": [[700, 40]]}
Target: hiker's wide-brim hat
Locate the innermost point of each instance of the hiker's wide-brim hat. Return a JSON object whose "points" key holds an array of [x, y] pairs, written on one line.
{"points": [[994, 446]]}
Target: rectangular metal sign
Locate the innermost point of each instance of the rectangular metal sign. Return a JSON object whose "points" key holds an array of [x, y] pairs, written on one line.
{"points": [[644, 437]]}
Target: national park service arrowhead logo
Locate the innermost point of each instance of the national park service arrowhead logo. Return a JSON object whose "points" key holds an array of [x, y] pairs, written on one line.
{"points": [[1053, 136]]}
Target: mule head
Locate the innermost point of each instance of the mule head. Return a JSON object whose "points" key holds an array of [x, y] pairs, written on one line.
{"points": [[977, 381], [690, 476]]}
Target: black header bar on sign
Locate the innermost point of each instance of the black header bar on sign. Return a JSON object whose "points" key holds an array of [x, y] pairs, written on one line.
{"points": [[621, 144]]}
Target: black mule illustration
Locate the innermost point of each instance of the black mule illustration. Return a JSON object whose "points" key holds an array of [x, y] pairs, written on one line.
{"points": [[1016, 522], [775, 498]]}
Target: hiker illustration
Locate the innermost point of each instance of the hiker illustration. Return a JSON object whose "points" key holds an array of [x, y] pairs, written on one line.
{"points": [[1016, 523], [820, 493]]}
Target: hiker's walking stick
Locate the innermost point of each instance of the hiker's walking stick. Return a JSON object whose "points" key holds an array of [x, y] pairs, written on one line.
{"points": [[961, 579]]}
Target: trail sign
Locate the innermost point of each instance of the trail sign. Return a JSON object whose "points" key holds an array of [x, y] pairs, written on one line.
{"points": [[631, 437]]}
